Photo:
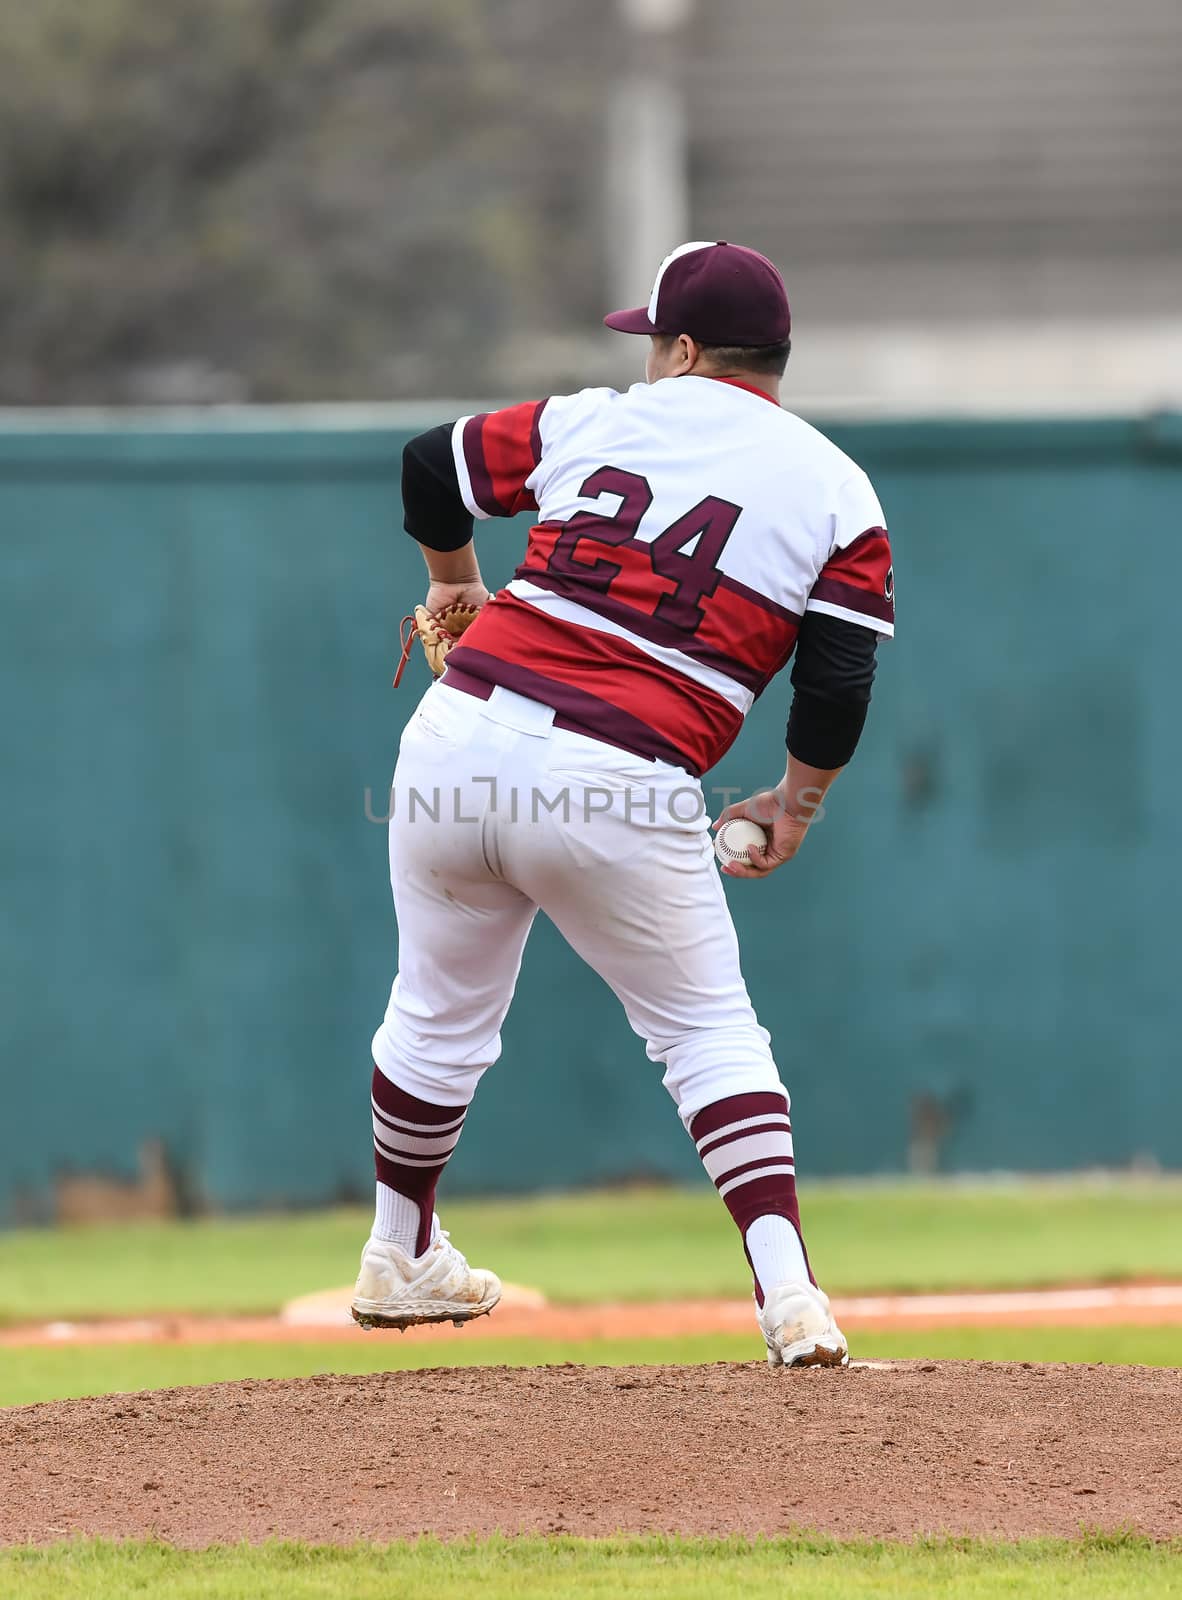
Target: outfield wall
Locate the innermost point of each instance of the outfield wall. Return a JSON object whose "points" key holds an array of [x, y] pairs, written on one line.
{"points": [[974, 962]]}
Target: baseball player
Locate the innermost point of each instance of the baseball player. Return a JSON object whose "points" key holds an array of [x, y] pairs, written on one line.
{"points": [[691, 536]]}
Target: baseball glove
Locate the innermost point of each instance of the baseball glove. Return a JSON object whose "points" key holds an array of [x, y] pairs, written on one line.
{"points": [[436, 631]]}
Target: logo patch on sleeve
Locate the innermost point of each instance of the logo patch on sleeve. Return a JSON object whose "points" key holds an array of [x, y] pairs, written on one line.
{"points": [[888, 587]]}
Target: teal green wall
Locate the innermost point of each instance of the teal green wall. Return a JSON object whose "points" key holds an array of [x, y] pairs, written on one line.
{"points": [[197, 631]]}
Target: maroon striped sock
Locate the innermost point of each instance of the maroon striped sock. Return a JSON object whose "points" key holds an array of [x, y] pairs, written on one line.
{"points": [[745, 1143], [412, 1140]]}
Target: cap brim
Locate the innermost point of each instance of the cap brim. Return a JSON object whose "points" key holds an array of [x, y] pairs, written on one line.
{"points": [[635, 321]]}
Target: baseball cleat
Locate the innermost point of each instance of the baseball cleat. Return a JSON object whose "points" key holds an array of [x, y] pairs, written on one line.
{"points": [[397, 1290], [799, 1330]]}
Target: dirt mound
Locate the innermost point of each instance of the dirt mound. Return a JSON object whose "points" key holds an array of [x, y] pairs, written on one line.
{"points": [[956, 1447]]}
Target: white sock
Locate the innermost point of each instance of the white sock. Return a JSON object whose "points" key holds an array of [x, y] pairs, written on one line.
{"points": [[396, 1219], [777, 1255]]}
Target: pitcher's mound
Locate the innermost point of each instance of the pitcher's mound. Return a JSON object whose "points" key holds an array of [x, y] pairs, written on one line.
{"points": [[881, 1451]]}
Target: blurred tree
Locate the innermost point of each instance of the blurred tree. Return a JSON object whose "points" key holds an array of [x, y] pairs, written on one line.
{"points": [[286, 199]]}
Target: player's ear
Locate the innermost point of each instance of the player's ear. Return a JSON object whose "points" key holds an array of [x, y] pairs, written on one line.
{"points": [[688, 352]]}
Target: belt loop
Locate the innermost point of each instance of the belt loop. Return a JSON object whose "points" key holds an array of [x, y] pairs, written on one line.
{"points": [[512, 710]]}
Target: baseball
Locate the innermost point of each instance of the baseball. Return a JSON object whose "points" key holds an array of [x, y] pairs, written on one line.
{"points": [[733, 841]]}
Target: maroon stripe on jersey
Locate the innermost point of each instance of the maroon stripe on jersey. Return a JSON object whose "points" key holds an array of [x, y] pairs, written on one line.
{"points": [[480, 690], [608, 685], [473, 446], [736, 1108], [863, 566], [579, 712], [456, 678], [644, 626], [535, 432], [763, 601], [853, 599], [745, 1133]]}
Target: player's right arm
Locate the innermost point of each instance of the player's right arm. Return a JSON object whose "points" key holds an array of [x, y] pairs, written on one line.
{"points": [[851, 605], [832, 677]]}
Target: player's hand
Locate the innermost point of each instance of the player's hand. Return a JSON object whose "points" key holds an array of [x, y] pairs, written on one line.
{"points": [[785, 832], [442, 595], [452, 605]]}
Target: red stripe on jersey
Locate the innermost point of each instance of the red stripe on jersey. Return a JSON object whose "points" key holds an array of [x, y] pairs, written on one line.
{"points": [[859, 577], [601, 680], [543, 536], [690, 645], [763, 601], [744, 635], [501, 450], [736, 624], [636, 586]]}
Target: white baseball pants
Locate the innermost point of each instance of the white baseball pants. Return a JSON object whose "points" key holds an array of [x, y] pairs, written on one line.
{"points": [[495, 814]]}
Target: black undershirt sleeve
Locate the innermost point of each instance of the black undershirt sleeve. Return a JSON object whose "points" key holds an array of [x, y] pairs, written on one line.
{"points": [[832, 675], [433, 510]]}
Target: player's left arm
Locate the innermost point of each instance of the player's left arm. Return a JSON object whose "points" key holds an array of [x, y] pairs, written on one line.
{"points": [[478, 467], [436, 517]]}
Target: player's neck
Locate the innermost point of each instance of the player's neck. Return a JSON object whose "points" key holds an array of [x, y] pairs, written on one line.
{"points": [[758, 382]]}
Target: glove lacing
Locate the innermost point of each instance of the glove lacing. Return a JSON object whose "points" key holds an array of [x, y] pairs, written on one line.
{"points": [[410, 627]]}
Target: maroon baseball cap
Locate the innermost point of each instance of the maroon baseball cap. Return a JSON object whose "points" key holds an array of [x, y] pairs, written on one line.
{"points": [[718, 293]]}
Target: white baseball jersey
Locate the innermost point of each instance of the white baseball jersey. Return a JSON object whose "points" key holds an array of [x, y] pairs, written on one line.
{"points": [[684, 529]]}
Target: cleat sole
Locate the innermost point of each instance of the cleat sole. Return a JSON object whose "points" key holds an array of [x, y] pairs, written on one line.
{"points": [[369, 1320], [817, 1355], [821, 1357]]}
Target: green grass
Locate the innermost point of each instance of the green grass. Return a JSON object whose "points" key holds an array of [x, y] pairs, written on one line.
{"points": [[60, 1372], [647, 1244], [1118, 1344], [1093, 1568]]}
